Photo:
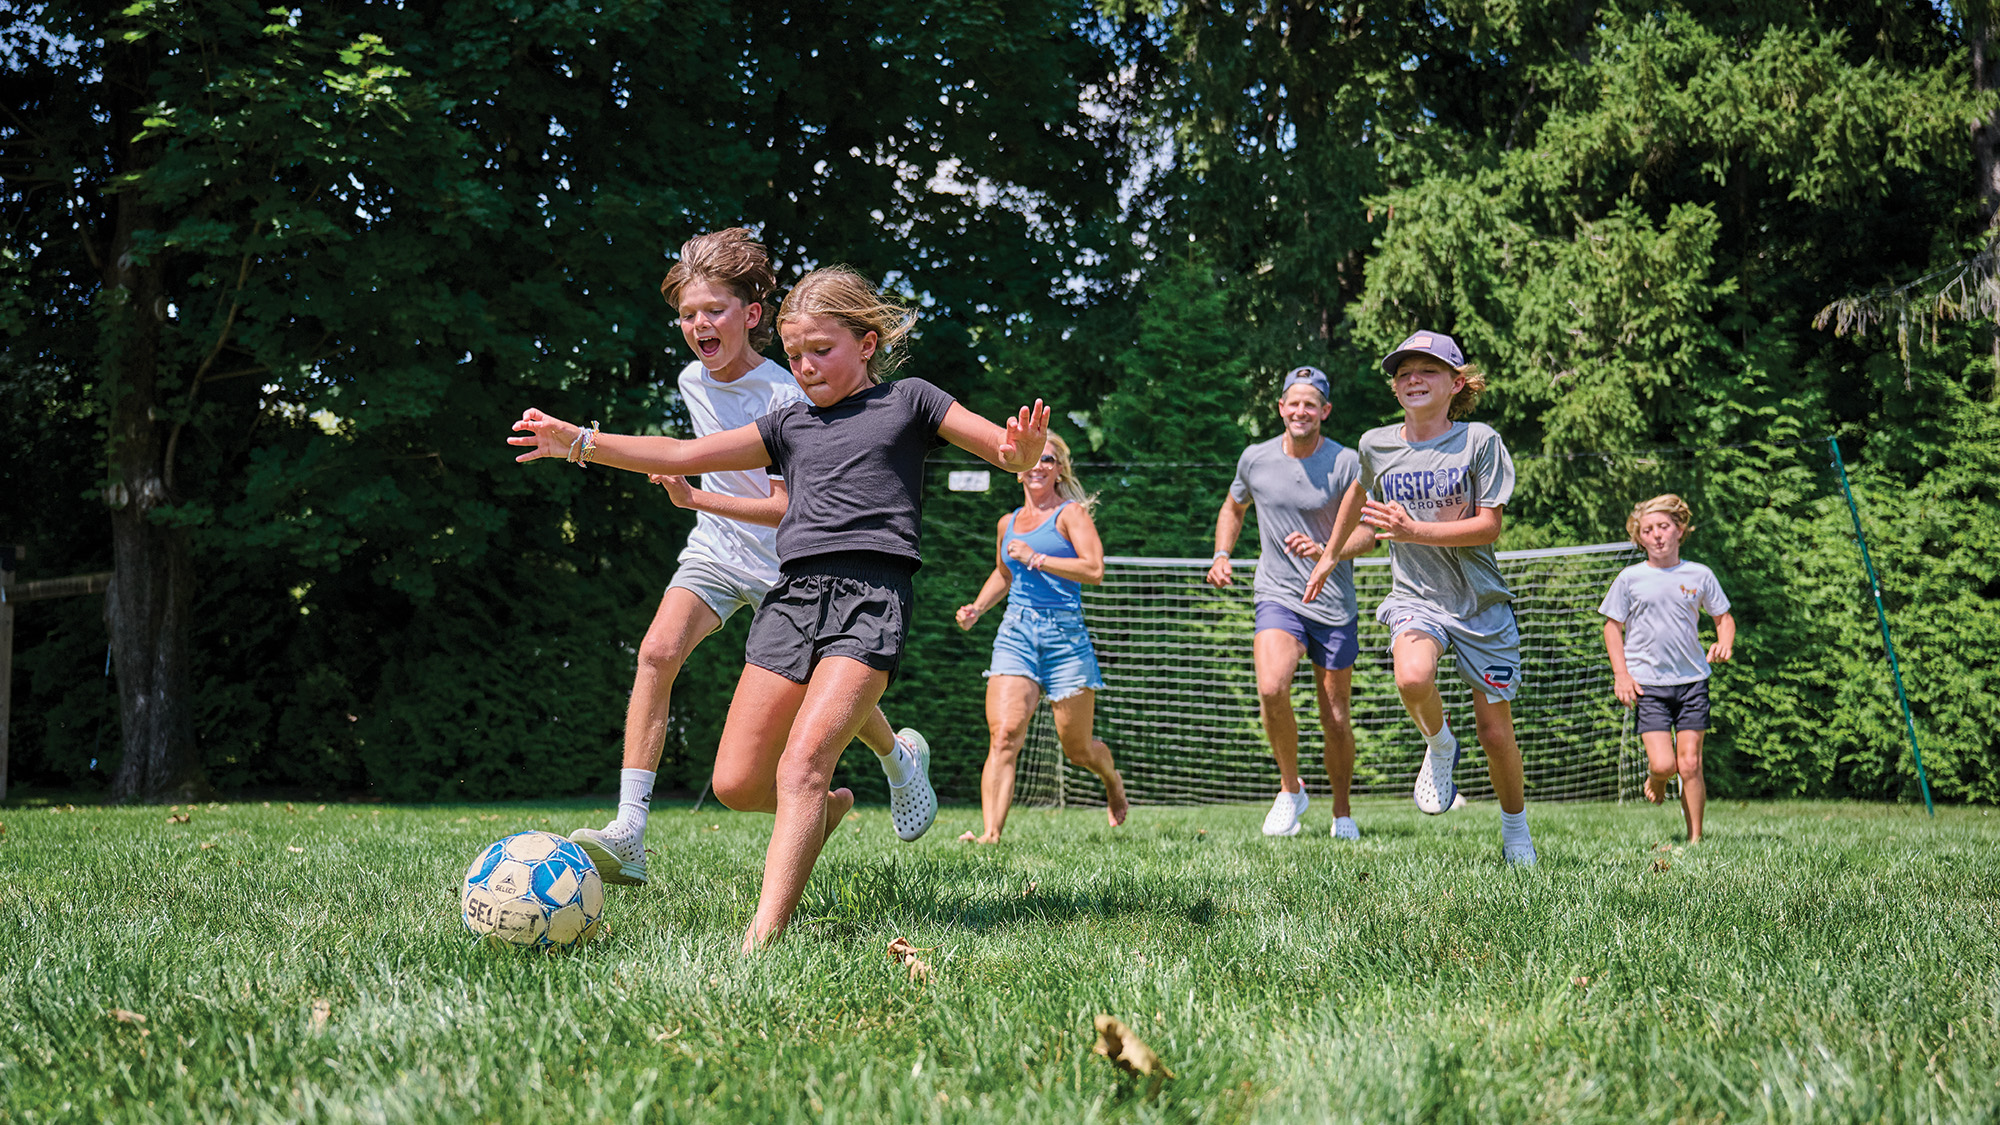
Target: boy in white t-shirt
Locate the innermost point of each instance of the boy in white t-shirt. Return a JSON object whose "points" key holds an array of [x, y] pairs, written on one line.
{"points": [[1652, 616], [721, 287]]}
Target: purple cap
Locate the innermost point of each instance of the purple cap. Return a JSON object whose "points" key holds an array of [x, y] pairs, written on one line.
{"points": [[1312, 377], [1434, 344]]}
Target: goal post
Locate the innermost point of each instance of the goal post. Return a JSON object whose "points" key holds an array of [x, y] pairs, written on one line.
{"points": [[1179, 705]]}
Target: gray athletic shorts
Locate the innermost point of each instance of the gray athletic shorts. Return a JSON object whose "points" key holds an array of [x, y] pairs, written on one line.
{"points": [[1488, 644], [720, 588]]}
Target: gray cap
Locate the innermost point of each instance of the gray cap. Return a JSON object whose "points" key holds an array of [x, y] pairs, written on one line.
{"points": [[1437, 345], [1312, 377]]}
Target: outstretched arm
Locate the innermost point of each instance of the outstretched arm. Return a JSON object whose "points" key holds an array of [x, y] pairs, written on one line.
{"points": [[996, 587], [764, 511], [1012, 447], [740, 448]]}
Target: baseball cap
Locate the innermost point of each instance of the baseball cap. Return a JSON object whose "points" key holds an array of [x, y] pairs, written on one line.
{"points": [[1434, 344], [1312, 377]]}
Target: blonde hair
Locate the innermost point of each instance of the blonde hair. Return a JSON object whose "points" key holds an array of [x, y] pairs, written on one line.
{"points": [[735, 260], [1067, 486], [841, 294], [1669, 505], [1467, 398]]}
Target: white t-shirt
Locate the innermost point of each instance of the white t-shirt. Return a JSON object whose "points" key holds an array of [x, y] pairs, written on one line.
{"points": [[1660, 608], [714, 406]]}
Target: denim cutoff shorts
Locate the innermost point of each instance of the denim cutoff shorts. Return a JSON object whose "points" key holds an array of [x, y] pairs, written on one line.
{"points": [[1048, 646]]}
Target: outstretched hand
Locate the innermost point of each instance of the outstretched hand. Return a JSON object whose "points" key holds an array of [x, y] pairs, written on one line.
{"points": [[547, 435], [1027, 432]]}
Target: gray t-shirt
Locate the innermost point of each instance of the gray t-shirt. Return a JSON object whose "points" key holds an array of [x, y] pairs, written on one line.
{"points": [[856, 469], [1448, 477], [1661, 608], [1297, 494]]}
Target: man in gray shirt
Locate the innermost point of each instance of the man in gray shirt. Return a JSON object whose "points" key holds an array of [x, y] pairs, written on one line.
{"points": [[1297, 480]]}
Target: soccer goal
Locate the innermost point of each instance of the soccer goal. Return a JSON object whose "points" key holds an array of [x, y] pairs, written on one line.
{"points": [[1179, 705]]}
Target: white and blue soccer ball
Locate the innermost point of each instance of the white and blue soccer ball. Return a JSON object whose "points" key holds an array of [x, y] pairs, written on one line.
{"points": [[533, 889]]}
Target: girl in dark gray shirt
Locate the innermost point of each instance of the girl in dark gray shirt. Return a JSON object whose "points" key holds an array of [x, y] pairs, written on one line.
{"points": [[825, 641]]}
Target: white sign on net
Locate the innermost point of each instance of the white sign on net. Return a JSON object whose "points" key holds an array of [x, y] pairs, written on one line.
{"points": [[969, 480]]}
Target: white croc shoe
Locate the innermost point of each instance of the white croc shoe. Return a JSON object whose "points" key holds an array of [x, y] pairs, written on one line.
{"points": [[913, 804], [619, 855], [1433, 794], [1283, 819], [1344, 828]]}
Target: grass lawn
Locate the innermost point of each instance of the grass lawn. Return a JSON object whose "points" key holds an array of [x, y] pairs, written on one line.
{"points": [[1809, 962]]}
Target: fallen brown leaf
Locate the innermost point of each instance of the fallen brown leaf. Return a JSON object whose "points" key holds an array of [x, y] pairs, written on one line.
{"points": [[321, 1010], [1029, 890], [905, 954], [1580, 982], [1664, 848], [663, 1036], [124, 1016], [1127, 1051], [208, 845], [1661, 865], [181, 819]]}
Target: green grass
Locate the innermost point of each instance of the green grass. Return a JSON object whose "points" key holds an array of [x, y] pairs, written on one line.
{"points": [[1809, 962]]}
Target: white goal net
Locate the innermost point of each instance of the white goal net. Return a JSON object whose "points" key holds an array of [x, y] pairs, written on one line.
{"points": [[1179, 705]]}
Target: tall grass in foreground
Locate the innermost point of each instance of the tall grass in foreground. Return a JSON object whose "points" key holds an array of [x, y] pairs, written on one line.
{"points": [[1810, 962]]}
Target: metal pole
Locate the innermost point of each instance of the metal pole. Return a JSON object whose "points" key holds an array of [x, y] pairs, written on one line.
{"points": [[6, 659], [1882, 619]]}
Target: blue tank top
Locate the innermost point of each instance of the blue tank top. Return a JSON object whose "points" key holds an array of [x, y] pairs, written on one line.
{"points": [[1038, 589]]}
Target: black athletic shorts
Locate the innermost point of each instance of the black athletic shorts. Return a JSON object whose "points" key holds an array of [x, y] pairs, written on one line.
{"points": [[854, 603], [1673, 707]]}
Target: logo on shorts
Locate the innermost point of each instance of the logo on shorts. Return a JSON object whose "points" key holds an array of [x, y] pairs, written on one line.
{"points": [[1499, 676]]}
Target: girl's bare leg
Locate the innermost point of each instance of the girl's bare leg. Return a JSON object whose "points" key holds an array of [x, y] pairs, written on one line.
{"points": [[1075, 717], [1659, 746], [1495, 720], [1010, 706], [778, 752], [1694, 788]]}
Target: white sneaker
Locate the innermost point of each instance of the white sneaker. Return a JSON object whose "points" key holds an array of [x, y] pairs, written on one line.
{"points": [[1283, 819], [1434, 795], [1344, 828], [1519, 855], [913, 804], [618, 853]]}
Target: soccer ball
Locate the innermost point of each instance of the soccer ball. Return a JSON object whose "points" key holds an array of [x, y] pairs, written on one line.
{"points": [[535, 889]]}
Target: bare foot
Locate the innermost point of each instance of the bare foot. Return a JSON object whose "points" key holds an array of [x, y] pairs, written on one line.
{"points": [[838, 803], [1115, 804], [969, 838], [1656, 789]]}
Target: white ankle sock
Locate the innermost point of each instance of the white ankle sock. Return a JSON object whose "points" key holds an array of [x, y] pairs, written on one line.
{"points": [[1442, 740], [1514, 828], [897, 765], [635, 799]]}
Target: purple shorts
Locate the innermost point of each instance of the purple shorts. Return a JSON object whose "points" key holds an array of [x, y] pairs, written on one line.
{"points": [[1332, 647]]}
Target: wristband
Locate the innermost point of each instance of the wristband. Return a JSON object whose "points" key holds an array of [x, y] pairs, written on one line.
{"points": [[1219, 555]]}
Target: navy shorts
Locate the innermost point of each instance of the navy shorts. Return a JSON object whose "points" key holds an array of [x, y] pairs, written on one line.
{"points": [[854, 604], [1673, 707], [1332, 647]]}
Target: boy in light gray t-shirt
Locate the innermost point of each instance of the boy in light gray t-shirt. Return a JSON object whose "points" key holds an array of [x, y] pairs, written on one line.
{"points": [[1435, 488]]}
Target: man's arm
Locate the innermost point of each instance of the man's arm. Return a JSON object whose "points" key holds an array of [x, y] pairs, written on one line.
{"points": [[1228, 526]]}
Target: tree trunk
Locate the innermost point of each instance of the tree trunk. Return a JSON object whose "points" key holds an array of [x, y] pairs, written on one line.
{"points": [[152, 590], [1986, 131]]}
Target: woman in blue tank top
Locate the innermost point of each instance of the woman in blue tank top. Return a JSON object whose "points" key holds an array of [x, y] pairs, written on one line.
{"points": [[1048, 548]]}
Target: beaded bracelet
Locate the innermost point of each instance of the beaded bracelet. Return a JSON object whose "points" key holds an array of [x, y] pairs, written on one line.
{"points": [[589, 440]]}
